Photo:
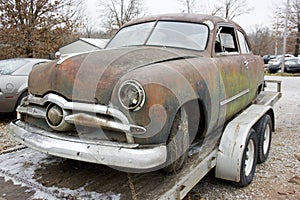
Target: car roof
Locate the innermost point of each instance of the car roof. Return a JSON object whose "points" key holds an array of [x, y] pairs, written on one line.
{"points": [[195, 18], [292, 58]]}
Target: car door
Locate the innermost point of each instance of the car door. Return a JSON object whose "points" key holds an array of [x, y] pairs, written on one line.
{"points": [[250, 70], [232, 71]]}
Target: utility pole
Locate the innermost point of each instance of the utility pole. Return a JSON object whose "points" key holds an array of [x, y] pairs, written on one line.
{"points": [[277, 35], [285, 35]]}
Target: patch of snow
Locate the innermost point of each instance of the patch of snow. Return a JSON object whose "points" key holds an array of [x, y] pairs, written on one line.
{"points": [[20, 167]]}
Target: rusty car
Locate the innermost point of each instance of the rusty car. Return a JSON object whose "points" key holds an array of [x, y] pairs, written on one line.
{"points": [[163, 85]]}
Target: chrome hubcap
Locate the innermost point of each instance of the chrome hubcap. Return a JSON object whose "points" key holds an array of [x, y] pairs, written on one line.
{"points": [[249, 160], [266, 139]]}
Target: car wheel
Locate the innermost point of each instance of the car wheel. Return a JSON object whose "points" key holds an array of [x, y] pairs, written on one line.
{"points": [[178, 143], [249, 159], [264, 133]]}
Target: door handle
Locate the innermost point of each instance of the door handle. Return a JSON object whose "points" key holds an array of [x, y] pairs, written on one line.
{"points": [[246, 64]]}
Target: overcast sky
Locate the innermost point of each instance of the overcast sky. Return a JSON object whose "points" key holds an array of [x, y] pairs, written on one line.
{"points": [[262, 14], [262, 10]]}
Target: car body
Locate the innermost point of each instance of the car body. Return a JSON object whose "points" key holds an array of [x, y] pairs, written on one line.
{"points": [[162, 85], [13, 81], [274, 65], [292, 65]]}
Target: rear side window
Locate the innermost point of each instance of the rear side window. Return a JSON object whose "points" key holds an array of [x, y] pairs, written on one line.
{"points": [[245, 49]]}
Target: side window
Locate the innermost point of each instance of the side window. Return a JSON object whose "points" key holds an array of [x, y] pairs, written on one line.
{"points": [[245, 49], [226, 42]]}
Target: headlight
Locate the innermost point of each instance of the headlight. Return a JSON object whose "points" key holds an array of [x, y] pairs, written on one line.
{"points": [[132, 95]]}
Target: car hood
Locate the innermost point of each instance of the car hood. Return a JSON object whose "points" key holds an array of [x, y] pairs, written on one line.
{"points": [[91, 77]]}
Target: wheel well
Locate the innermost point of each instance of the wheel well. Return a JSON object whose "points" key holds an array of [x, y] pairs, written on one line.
{"points": [[259, 88], [197, 119], [23, 93]]}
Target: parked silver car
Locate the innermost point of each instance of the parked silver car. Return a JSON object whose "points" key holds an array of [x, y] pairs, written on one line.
{"points": [[274, 65], [13, 81]]}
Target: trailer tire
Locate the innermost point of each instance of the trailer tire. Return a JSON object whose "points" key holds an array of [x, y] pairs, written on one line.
{"points": [[178, 143], [249, 159], [264, 133]]}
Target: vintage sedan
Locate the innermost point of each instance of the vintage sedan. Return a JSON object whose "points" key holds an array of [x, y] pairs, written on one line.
{"points": [[162, 85], [13, 81]]}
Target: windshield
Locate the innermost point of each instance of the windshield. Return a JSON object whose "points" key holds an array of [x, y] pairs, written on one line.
{"points": [[292, 61], [163, 33], [7, 67]]}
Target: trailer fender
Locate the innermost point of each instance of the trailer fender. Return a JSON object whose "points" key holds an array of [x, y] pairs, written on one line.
{"points": [[232, 144]]}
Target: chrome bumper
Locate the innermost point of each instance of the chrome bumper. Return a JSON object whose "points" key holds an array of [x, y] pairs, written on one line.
{"points": [[102, 152]]}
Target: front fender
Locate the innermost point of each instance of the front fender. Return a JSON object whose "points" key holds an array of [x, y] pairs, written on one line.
{"points": [[167, 89]]}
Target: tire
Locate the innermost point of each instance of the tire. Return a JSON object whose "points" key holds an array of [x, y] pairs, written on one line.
{"points": [[249, 159], [264, 134], [178, 143], [273, 70], [24, 94]]}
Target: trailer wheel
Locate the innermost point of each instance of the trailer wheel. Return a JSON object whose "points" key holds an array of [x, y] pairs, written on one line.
{"points": [[264, 132], [249, 159], [178, 143]]}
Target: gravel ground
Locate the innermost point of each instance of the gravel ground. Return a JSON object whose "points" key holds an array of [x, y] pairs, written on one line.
{"points": [[5, 141], [277, 178]]}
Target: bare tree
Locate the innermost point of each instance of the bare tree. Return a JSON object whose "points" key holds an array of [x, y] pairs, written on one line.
{"points": [[118, 12], [231, 9], [262, 41], [190, 5], [35, 28], [293, 26], [88, 25]]}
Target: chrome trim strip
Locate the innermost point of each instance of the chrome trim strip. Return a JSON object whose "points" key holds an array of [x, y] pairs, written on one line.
{"points": [[35, 112], [226, 101], [107, 153], [83, 119], [85, 107], [66, 57]]}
